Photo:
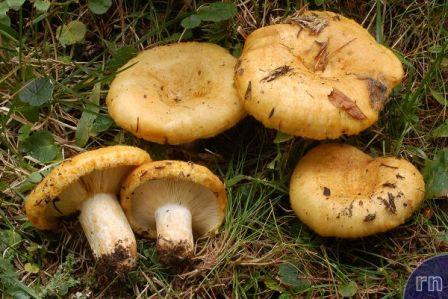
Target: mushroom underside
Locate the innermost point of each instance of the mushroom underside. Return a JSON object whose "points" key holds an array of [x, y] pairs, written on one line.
{"points": [[172, 211]]}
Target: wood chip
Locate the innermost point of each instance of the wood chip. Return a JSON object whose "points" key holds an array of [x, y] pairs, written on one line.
{"points": [[248, 91], [341, 101], [311, 22], [278, 72], [321, 59]]}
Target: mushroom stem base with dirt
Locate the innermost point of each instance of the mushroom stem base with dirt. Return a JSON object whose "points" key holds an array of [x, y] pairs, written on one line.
{"points": [[174, 233], [108, 233]]}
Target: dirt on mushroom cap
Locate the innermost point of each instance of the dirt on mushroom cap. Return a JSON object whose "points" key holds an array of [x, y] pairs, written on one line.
{"points": [[337, 80], [41, 206], [176, 93], [196, 176], [339, 191]]}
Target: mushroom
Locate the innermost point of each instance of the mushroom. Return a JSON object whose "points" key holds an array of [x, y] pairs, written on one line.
{"points": [[339, 191], [176, 93], [170, 201], [89, 183], [320, 76]]}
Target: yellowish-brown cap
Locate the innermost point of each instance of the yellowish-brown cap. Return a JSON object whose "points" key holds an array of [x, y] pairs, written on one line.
{"points": [[176, 93], [339, 191], [66, 187], [320, 76], [160, 183]]}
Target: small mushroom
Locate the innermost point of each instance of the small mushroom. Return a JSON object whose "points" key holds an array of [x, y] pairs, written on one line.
{"points": [[319, 76], [339, 191], [176, 93], [89, 183], [171, 201]]}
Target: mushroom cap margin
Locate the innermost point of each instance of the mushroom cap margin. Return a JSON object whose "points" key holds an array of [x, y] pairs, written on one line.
{"points": [[71, 170]]}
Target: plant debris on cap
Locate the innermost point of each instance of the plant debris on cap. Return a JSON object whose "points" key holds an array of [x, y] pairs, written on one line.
{"points": [[319, 76], [187, 197], [176, 93], [89, 183], [339, 191]]}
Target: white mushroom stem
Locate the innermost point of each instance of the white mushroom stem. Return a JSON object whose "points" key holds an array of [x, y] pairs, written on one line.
{"points": [[174, 232], [108, 231]]}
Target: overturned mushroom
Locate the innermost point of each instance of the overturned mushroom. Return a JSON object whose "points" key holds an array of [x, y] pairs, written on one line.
{"points": [[89, 183], [176, 93], [339, 191], [170, 201], [320, 76]]}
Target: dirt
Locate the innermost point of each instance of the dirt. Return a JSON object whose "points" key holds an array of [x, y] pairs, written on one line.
{"points": [[176, 255], [115, 264]]}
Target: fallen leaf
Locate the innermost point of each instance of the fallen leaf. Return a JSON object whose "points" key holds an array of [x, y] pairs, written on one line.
{"points": [[341, 101]]}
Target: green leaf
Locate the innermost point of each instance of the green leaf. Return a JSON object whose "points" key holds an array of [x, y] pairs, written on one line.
{"points": [[191, 22], [348, 289], [282, 137], [20, 295], [24, 132], [441, 131], [99, 7], [71, 33], [435, 173], [102, 124], [15, 4], [7, 31], [10, 280], [88, 116], [273, 285], [31, 268], [438, 97], [5, 20], [9, 240], [42, 5], [179, 36], [37, 92], [41, 146], [4, 7], [35, 177], [289, 276], [217, 12], [319, 2], [120, 57]]}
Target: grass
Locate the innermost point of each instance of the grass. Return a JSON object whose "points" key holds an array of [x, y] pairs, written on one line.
{"points": [[262, 249]]}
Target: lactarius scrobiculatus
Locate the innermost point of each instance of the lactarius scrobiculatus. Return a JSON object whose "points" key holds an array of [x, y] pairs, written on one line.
{"points": [[89, 184], [173, 201], [319, 76], [339, 191], [176, 93]]}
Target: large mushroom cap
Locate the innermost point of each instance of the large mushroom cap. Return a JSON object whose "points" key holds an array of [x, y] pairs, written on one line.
{"points": [[319, 77], [176, 93], [66, 187], [339, 191], [162, 183]]}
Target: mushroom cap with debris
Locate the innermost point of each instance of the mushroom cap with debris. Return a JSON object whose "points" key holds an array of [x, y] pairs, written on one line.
{"points": [[160, 183], [176, 93], [339, 191], [67, 186], [319, 76]]}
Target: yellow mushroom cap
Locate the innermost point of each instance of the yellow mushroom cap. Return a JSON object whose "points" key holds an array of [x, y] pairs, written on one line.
{"points": [[161, 183], [319, 77], [67, 186], [176, 93], [339, 191]]}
